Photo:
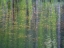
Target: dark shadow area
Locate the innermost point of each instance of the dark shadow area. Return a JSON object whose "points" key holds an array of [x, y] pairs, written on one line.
{"points": [[62, 27]]}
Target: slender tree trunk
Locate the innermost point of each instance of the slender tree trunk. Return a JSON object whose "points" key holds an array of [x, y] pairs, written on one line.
{"points": [[34, 24], [17, 34], [58, 7], [27, 25], [12, 38]]}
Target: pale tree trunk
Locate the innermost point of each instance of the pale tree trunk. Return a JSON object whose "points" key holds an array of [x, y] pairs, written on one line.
{"points": [[34, 24], [58, 25]]}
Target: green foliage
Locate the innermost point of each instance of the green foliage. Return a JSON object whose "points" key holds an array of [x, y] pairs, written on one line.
{"points": [[13, 33]]}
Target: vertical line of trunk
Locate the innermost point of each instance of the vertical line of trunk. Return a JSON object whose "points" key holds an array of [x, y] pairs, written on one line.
{"points": [[58, 25], [27, 25], [34, 22]]}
